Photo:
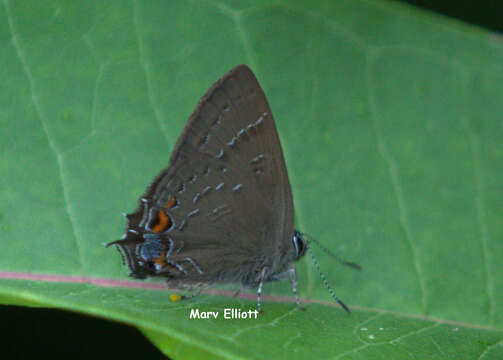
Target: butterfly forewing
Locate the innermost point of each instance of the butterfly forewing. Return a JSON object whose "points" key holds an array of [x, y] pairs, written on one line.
{"points": [[226, 192]]}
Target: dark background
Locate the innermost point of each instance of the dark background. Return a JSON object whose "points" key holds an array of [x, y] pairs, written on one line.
{"points": [[46, 332], [484, 13]]}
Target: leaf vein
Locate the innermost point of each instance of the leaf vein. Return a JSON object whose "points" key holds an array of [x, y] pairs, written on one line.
{"points": [[16, 41], [238, 20], [145, 64], [489, 348], [482, 222], [396, 182]]}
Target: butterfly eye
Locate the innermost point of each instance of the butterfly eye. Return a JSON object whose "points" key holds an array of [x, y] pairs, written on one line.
{"points": [[299, 244]]}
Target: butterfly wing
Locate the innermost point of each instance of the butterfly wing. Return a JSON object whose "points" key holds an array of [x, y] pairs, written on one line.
{"points": [[223, 208]]}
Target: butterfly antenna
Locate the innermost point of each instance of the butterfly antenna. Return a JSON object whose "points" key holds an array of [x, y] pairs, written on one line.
{"points": [[325, 282], [327, 251]]}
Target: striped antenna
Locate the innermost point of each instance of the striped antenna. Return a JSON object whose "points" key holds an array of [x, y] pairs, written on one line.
{"points": [[325, 282], [328, 252]]}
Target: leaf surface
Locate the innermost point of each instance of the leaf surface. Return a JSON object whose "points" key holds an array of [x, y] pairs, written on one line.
{"points": [[390, 120]]}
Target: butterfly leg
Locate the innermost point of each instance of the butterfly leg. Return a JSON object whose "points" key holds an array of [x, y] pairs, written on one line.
{"points": [[259, 291], [196, 267], [293, 273], [177, 266]]}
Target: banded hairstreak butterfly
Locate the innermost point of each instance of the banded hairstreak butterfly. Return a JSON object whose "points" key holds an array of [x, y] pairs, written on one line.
{"points": [[222, 212]]}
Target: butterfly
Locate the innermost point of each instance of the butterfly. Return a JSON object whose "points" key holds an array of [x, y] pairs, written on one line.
{"points": [[222, 211]]}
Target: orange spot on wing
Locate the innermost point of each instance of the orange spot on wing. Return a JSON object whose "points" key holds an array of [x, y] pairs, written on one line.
{"points": [[170, 203], [163, 223], [160, 260]]}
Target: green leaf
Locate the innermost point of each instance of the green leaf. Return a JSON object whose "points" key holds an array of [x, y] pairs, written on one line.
{"points": [[390, 121]]}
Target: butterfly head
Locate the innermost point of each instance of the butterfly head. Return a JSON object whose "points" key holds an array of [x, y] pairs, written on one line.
{"points": [[299, 244]]}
